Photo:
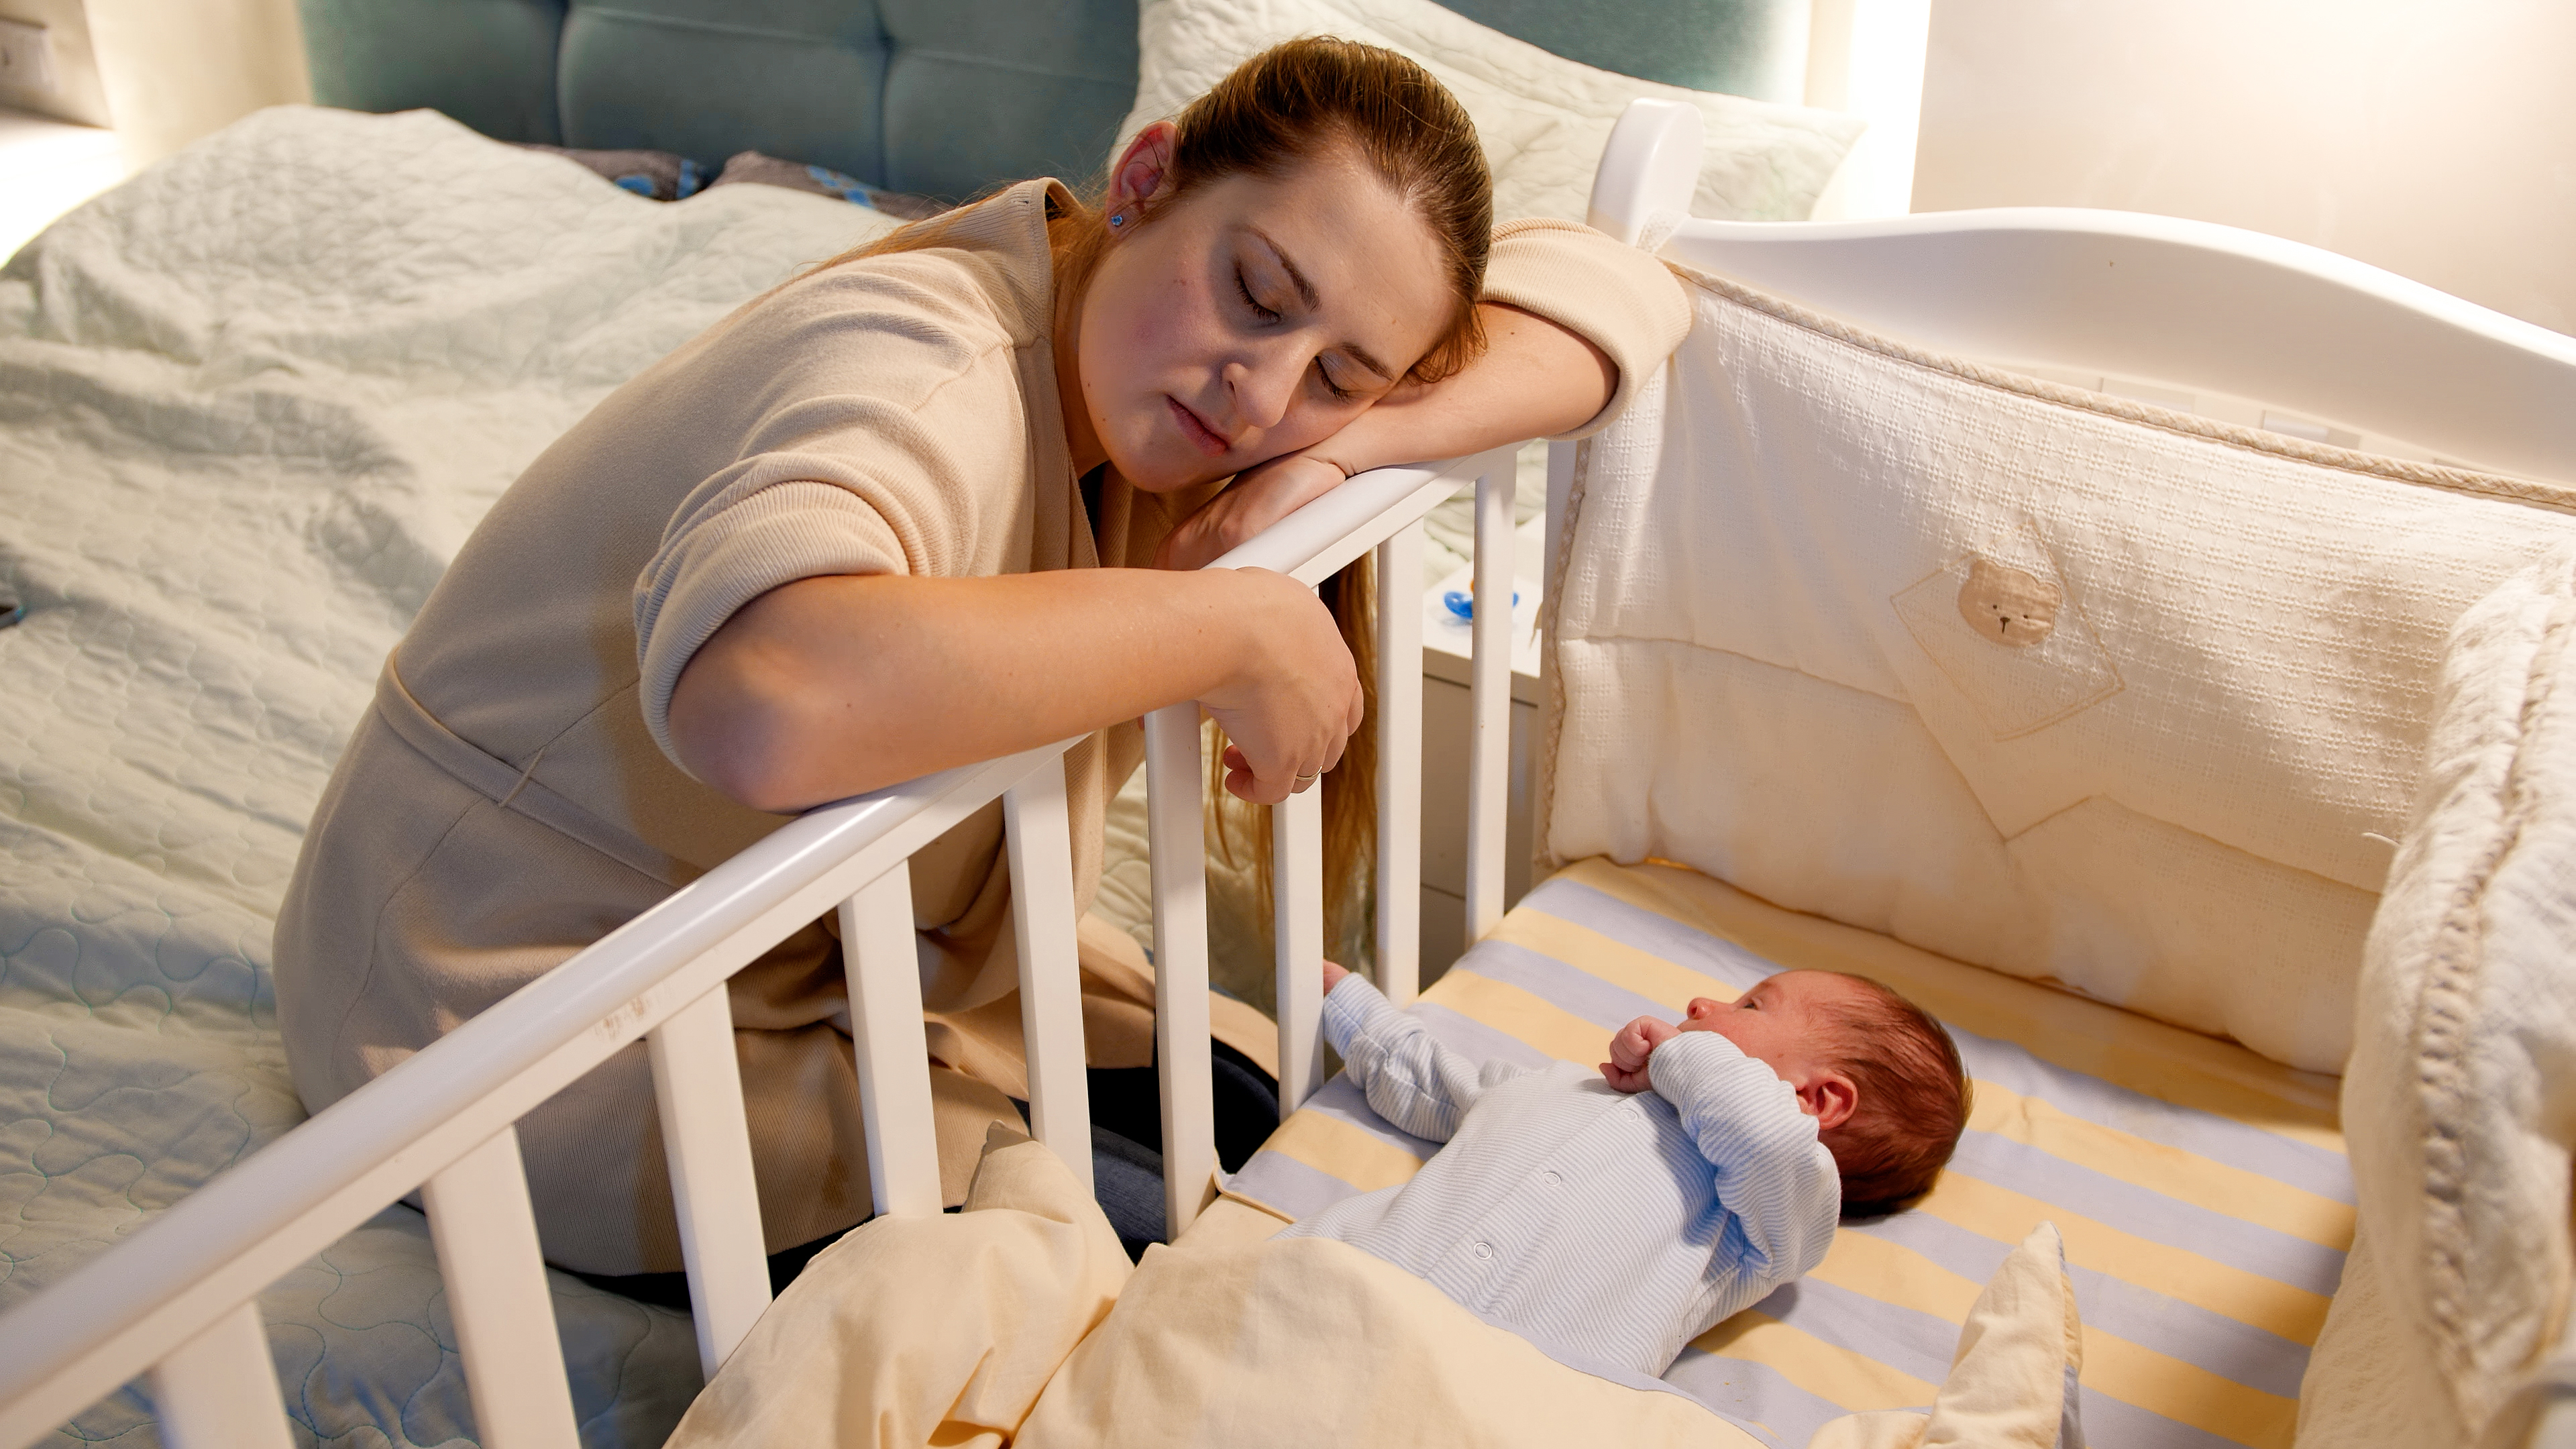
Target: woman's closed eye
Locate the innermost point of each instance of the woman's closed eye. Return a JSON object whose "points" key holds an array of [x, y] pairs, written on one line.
{"points": [[1263, 315]]}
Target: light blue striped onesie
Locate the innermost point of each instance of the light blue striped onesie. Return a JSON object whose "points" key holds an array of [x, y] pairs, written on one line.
{"points": [[1607, 1229]]}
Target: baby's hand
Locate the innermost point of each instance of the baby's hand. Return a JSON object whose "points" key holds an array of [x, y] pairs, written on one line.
{"points": [[1626, 1069], [1333, 977]]}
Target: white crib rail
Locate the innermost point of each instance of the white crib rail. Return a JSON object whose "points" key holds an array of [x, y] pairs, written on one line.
{"points": [[176, 1301]]}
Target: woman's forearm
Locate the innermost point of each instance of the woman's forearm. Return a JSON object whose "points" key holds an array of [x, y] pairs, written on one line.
{"points": [[834, 686], [1534, 379]]}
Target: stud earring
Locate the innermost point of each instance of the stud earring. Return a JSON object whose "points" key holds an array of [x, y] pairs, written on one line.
{"points": [[1119, 220]]}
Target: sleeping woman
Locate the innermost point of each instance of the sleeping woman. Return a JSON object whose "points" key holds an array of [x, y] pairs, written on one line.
{"points": [[940, 499]]}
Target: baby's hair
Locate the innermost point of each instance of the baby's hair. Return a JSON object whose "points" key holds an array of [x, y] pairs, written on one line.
{"points": [[1914, 1101]]}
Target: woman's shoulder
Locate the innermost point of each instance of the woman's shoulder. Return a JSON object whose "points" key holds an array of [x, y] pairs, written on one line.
{"points": [[927, 297], [898, 327], [983, 271]]}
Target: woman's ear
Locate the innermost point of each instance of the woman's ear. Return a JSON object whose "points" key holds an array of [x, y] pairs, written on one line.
{"points": [[1830, 1098], [1143, 174]]}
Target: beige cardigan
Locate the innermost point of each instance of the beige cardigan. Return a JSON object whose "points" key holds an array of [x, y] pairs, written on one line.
{"points": [[511, 797]]}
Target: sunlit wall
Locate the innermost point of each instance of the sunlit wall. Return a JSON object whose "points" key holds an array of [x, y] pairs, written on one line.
{"points": [[2436, 138]]}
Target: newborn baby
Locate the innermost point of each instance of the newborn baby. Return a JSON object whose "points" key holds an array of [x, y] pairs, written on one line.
{"points": [[1611, 1219]]}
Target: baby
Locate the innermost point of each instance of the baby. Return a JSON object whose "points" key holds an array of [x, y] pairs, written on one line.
{"points": [[1611, 1219]]}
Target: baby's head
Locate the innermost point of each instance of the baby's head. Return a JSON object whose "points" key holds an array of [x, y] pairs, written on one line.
{"points": [[1879, 1075]]}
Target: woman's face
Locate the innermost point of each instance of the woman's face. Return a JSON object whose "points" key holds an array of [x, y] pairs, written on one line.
{"points": [[1251, 318]]}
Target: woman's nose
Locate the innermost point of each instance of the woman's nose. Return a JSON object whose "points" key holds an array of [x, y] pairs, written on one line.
{"points": [[1263, 387]]}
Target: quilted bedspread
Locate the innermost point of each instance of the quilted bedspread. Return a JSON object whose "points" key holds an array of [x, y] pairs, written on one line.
{"points": [[250, 403]]}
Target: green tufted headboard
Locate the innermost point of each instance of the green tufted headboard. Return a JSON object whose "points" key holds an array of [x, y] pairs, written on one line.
{"points": [[940, 97]]}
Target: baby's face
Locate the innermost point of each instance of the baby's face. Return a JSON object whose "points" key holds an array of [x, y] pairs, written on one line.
{"points": [[1784, 1022]]}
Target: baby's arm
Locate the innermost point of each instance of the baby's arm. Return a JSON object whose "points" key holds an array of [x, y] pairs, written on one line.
{"points": [[1412, 1081], [1772, 1172]]}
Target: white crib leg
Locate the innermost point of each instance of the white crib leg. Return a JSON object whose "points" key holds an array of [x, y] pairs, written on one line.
{"points": [[486, 1236], [1297, 942], [882, 958], [1399, 765], [1490, 682], [219, 1389], [1040, 841], [697, 1082], [1178, 835]]}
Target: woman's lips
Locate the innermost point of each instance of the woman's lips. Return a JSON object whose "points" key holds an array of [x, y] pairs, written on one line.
{"points": [[1201, 436]]}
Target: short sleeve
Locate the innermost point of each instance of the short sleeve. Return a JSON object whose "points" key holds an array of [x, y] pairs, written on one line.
{"points": [[884, 433], [1618, 298], [757, 535]]}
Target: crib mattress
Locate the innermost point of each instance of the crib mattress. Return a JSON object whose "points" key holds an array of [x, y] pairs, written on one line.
{"points": [[2202, 1190]]}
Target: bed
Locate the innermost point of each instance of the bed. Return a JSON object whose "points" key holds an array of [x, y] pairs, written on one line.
{"points": [[217, 527], [147, 848]]}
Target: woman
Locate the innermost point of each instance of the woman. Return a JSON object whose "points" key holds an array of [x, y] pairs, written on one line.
{"points": [[896, 516]]}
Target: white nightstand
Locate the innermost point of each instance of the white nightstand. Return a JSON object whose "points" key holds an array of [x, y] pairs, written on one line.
{"points": [[1445, 658]]}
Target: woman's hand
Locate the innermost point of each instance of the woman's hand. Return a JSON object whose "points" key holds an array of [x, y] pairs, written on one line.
{"points": [[1258, 497], [1295, 698], [1632, 1048]]}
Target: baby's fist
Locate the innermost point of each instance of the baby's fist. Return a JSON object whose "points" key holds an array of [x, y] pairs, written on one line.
{"points": [[1333, 975], [1630, 1049]]}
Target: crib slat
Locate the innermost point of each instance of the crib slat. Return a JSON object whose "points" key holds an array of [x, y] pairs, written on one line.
{"points": [[697, 1082], [1490, 683], [1399, 765], [1297, 942], [1177, 835], [219, 1389], [883, 961], [486, 1236], [1039, 838]]}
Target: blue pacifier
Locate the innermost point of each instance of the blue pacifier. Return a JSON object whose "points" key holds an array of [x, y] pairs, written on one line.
{"points": [[1463, 604]]}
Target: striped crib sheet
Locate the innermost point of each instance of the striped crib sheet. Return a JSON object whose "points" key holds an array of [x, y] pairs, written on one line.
{"points": [[2202, 1190]]}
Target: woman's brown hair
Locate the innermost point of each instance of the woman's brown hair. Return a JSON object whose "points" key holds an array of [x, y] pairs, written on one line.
{"points": [[1280, 109], [1276, 110]]}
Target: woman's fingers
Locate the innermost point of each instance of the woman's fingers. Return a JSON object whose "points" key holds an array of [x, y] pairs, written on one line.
{"points": [[1258, 497], [1290, 709]]}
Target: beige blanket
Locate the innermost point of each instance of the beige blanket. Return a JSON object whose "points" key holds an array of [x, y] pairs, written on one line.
{"points": [[1019, 1321]]}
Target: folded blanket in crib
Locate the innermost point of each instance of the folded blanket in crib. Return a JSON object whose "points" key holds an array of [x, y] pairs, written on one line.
{"points": [[1018, 1321]]}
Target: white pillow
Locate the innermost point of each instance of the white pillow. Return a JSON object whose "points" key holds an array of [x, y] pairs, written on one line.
{"points": [[1543, 119], [2464, 1054]]}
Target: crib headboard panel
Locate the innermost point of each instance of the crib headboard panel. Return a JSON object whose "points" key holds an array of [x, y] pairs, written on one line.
{"points": [[940, 97]]}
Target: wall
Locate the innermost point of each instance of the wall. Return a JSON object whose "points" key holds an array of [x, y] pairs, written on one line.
{"points": [[2435, 138], [77, 95], [175, 70]]}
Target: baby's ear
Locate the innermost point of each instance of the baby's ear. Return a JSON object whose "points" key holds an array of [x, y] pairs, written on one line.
{"points": [[1830, 1098]]}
